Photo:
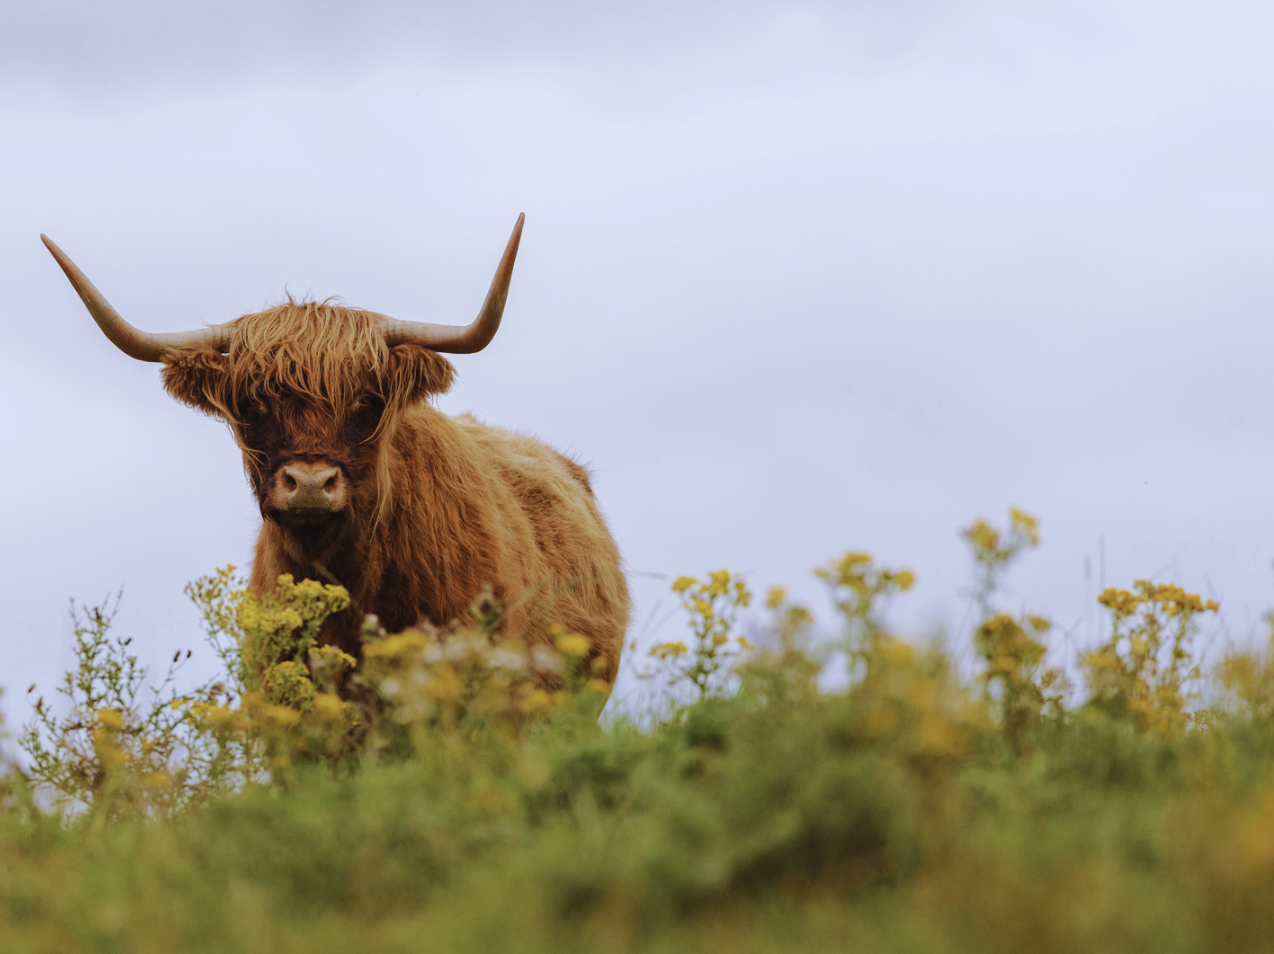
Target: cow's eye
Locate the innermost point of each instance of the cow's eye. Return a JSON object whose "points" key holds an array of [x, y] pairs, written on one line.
{"points": [[363, 417], [252, 408], [260, 427], [250, 415]]}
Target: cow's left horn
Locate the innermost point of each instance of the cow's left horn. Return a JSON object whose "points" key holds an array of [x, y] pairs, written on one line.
{"points": [[464, 339], [142, 345]]}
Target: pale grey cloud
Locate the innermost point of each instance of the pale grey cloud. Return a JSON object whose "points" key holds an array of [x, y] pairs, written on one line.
{"points": [[794, 279], [75, 42]]}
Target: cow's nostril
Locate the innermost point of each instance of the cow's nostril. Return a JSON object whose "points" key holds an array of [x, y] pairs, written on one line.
{"points": [[309, 488]]}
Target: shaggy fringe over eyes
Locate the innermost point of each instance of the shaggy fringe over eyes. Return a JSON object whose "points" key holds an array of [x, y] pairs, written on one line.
{"points": [[324, 352], [318, 350]]}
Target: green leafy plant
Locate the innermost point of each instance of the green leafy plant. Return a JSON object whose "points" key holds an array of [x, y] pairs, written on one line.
{"points": [[122, 745], [449, 773]]}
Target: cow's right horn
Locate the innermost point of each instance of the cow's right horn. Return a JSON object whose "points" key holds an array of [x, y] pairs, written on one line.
{"points": [[464, 339], [142, 345]]}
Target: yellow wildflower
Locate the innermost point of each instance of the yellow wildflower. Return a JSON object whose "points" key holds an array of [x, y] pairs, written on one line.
{"points": [[112, 756], [939, 735], [399, 646], [1024, 523], [535, 699], [573, 644], [217, 716], [897, 652], [328, 706], [921, 693], [152, 781], [881, 720], [281, 715], [333, 655], [445, 684]]}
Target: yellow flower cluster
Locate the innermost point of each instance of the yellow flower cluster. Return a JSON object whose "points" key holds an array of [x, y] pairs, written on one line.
{"points": [[995, 550], [437, 678], [1248, 680], [1143, 672], [1171, 598], [860, 588], [790, 622], [289, 704], [858, 572], [713, 605], [283, 625], [910, 704], [1014, 651], [285, 699]]}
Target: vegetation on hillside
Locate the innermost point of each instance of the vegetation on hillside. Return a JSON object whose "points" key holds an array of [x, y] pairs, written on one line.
{"points": [[454, 790]]}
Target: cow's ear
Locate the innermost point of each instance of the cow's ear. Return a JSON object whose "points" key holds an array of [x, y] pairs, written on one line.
{"points": [[414, 373], [197, 377]]}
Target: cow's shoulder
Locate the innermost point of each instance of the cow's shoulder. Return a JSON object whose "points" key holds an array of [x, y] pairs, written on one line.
{"points": [[527, 456]]}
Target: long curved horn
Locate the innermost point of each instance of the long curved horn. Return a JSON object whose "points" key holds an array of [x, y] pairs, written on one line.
{"points": [[464, 339], [144, 346]]}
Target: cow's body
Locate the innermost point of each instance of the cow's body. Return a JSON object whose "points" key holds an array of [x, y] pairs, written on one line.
{"points": [[362, 482], [473, 506]]}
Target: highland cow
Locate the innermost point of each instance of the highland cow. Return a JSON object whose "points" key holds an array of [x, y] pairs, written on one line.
{"points": [[362, 482]]}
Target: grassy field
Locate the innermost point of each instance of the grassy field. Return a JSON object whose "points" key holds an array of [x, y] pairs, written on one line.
{"points": [[451, 798]]}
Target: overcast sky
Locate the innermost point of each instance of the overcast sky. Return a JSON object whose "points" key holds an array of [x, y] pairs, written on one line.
{"points": [[796, 278]]}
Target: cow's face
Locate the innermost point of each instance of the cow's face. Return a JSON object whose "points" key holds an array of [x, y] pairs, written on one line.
{"points": [[305, 459], [312, 394]]}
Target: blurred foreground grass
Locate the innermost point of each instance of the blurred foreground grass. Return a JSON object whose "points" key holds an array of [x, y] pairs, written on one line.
{"points": [[454, 793]]}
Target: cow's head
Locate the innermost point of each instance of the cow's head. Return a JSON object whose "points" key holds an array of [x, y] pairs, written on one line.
{"points": [[310, 390]]}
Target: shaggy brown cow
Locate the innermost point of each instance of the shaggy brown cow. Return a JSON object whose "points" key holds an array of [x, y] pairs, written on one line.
{"points": [[362, 482]]}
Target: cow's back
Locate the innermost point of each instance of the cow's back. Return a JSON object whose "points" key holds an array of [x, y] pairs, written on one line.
{"points": [[575, 576]]}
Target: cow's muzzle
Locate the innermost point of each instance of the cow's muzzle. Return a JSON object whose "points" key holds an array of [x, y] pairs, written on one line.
{"points": [[306, 493]]}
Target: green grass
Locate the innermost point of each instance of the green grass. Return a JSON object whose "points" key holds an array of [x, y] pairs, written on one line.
{"points": [[740, 826], [911, 812]]}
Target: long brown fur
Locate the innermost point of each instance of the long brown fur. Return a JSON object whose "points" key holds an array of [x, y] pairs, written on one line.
{"points": [[441, 506]]}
